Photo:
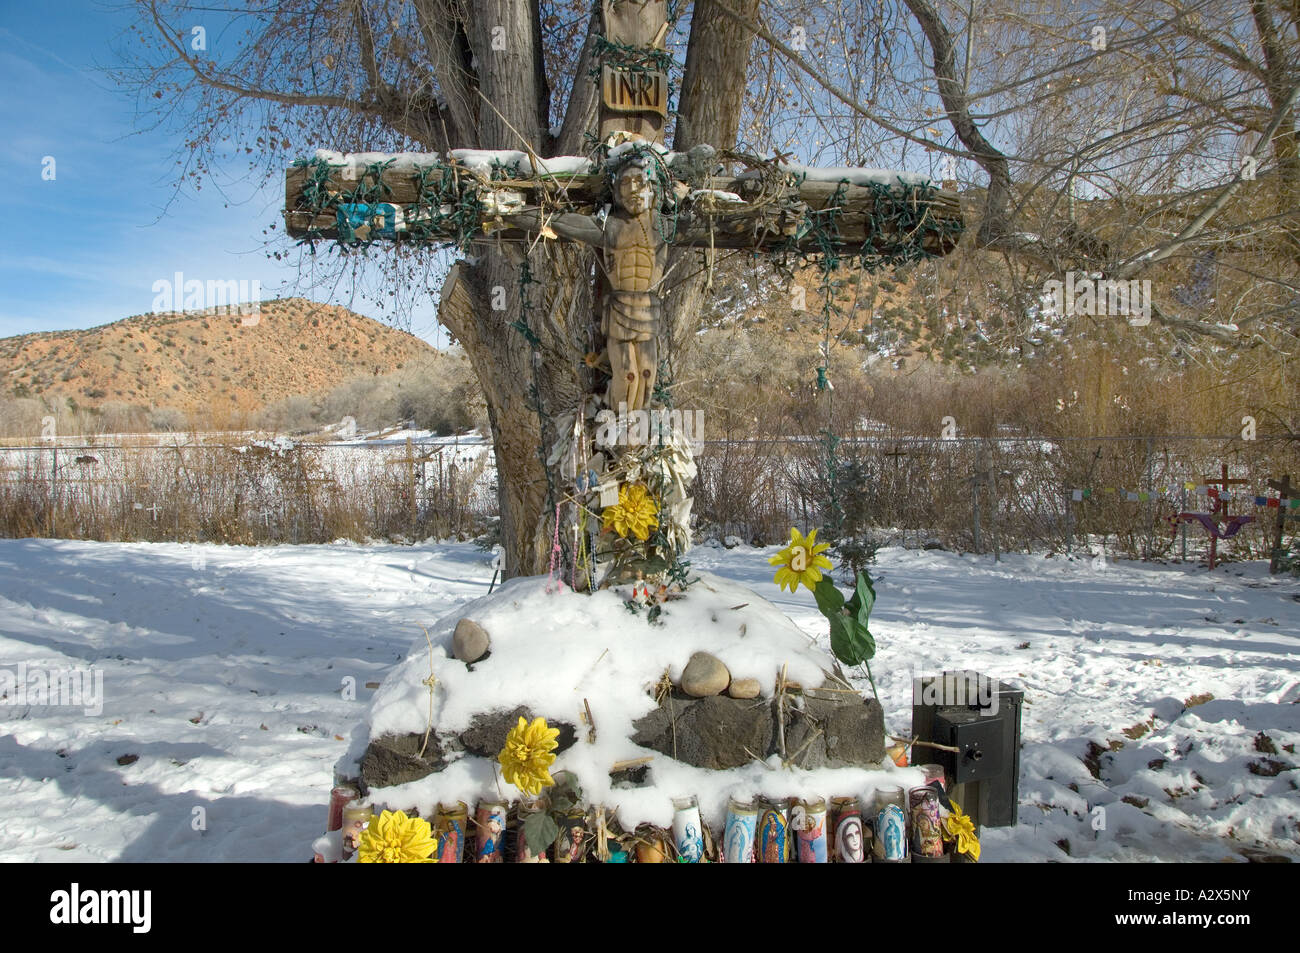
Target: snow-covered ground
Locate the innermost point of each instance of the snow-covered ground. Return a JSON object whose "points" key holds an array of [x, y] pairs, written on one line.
{"points": [[227, 673]]}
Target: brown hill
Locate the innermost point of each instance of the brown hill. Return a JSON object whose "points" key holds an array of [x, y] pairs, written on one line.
{"points": [[219, 366]]}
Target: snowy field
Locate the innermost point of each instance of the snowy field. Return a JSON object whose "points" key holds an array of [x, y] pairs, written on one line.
{"points": [[1160, 721]]}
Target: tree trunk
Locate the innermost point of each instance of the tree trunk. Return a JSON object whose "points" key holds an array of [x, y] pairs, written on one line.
{"points": [[520, 379], [515, 376]]}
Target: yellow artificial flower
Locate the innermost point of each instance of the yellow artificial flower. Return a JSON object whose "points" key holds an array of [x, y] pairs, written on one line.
{"points": [[801, 562], [527, 755], [394, 838], [634, 513], [957, 826]]}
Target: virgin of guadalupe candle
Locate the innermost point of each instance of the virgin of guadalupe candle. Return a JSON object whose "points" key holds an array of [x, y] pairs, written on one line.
{"points": [[688, 830], [738, 835], [449, 823], [772, 834], [891, 833]]}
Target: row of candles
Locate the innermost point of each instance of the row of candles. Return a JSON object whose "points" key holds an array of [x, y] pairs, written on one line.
{"points": [[886, 825]]}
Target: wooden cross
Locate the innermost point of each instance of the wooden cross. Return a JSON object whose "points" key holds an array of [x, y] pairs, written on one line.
{"points": [[1285, 492], [895, 454], [1223, 481], [630, 200], [412, 461], [1220, 507], [769, 206]]}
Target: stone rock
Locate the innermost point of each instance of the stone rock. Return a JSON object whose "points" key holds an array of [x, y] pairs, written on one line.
{"points": [[708, 732], [394, 759], [743, 688], [720, 732], [487, 733], [704, 675], [852, 731], [471, 642]]}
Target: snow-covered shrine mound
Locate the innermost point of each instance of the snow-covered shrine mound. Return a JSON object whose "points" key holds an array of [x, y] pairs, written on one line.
{"points": [[557, 654]]}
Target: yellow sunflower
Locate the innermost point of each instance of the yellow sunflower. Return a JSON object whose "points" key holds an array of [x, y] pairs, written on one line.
{"points": [[801, 562], [633, 514], [394, 838], [528, 754]]}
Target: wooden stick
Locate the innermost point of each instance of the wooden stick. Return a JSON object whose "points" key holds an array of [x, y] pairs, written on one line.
{"points": [[926, 744], [804, 747], [780, 709], [631, 763]]}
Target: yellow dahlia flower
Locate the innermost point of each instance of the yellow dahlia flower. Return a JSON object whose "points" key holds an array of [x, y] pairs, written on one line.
{"points": [[801, 562], [957, 826], [527, 755], [397, 839], [634, 513]]}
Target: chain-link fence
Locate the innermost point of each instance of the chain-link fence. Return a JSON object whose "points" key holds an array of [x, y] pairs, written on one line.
{"points": [[1011, 493], [1007, 493], [272, 490]]}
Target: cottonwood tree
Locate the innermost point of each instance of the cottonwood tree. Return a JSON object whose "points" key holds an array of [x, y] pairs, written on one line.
{"points": [[1153, 139], [279, 80]]}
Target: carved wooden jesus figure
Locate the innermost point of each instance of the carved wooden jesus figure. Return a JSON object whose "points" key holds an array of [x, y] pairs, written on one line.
{"points": [[633, 259]]}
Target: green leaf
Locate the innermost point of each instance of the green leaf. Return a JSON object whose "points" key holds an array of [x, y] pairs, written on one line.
{"points": [[851, 639], [829, 599], [851, 642], [864, 598], [540, 831]]}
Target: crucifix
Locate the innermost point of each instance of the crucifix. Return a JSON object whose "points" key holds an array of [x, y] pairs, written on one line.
{"points": [[1217, 522], [631, 200], [1285, 492]]}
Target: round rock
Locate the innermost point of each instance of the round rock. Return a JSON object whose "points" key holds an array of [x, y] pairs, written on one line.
{"points": [[470, 643], [743, 688], [704, 675]]}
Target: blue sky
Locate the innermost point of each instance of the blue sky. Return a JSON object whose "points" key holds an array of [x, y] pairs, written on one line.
{"points": [[86, 247]]}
